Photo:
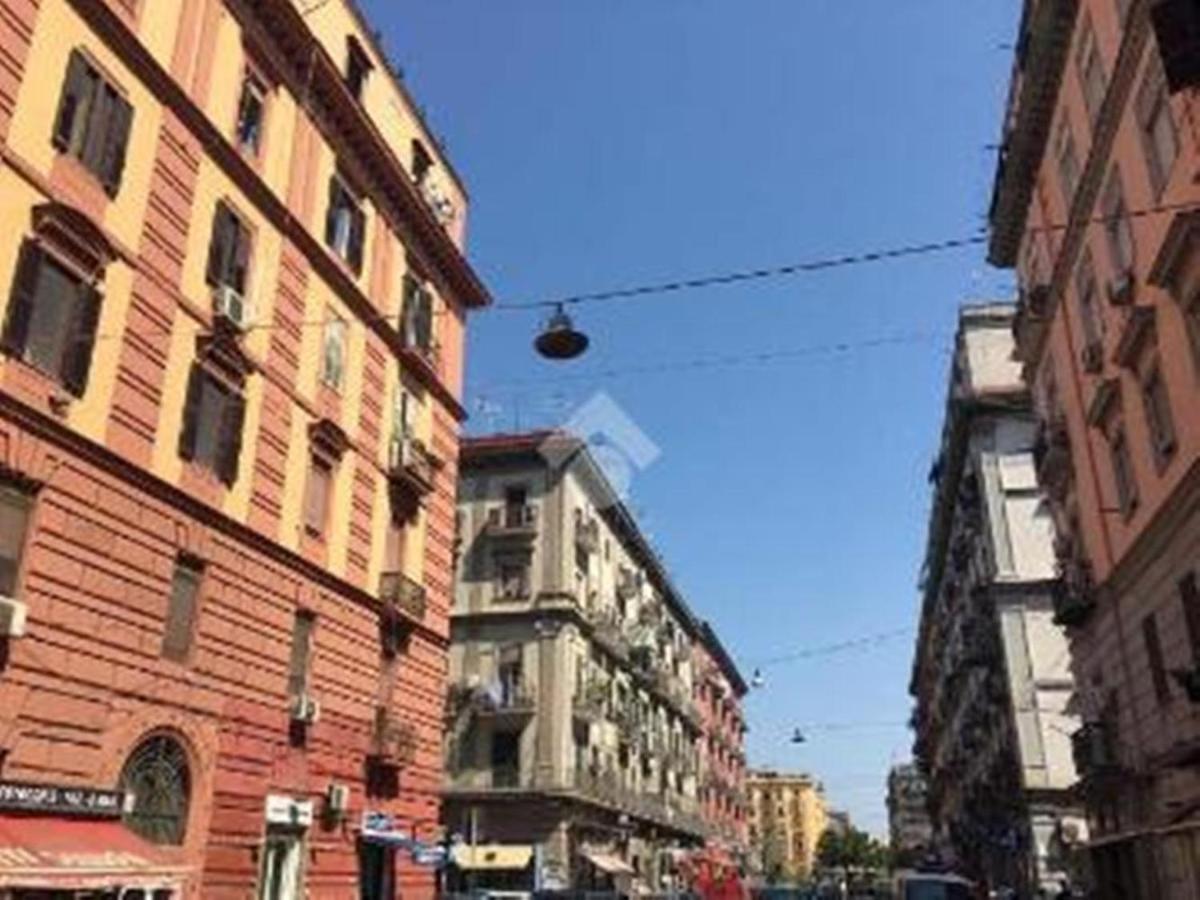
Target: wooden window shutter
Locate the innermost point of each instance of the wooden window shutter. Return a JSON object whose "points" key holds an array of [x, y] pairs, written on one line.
{"points": [[77, 364], [219, 246], [76, 86], [233, 419], [116, 144], [1189, 595], [424, 319], [181, 611], [99, 118], [20, 303], [358, 234], [241, 257], [1176, 26], [331, 213], [191, 409]]}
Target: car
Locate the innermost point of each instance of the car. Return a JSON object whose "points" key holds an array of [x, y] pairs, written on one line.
{"points": [[931, 886]]}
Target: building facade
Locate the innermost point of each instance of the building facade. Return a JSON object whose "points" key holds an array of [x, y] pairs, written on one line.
{"points": [[991, 675], [909, 828], [591, 743], [787, 818], [234, 302], [1093, 206]]}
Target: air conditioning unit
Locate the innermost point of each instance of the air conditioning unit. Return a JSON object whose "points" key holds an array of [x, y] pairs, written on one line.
{"points": [[305, 709], [12, 617], [228, 304], [337, 800], [1121, 289]]}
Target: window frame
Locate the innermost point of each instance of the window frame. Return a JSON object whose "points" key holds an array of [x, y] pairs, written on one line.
{"points": [[1089, 66], [1121, 461], [1066, 156], [182, 649], [230, 423], [1087, 292], [1117, 224], [79, 314], [334, 378], [343, 198], [1153, 107], [358, 68], [1160, 416], [230, 258], [25, 498], [257, 85], [318, 463], [98, 137]]}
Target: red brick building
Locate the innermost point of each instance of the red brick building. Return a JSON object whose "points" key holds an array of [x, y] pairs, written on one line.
{"points": [[1095, 206], [233, 295]]}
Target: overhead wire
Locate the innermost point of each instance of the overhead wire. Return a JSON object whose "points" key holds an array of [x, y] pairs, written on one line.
{"points": [[870, 640]]}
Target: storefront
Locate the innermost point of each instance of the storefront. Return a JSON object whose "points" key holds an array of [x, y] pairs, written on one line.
{"points": [[68, 843]]}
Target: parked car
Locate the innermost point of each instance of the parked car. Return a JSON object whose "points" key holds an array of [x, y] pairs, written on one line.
{"points": [[929, 886]]}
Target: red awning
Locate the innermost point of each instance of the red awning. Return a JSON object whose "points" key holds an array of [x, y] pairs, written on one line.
{"points": [[78, 854]]}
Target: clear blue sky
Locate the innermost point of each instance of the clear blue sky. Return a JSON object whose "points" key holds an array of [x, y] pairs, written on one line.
{"points": [[608, 142]]}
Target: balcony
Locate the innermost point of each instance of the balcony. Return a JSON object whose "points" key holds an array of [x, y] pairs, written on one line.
{"points": [[587, 533], [629, 584], [1073, 595], [411, 470], [513, 704], [1094, 750], [393, 741], [516, 523], [608, 630], [401, 596], [1052, 456], [590, 703]]}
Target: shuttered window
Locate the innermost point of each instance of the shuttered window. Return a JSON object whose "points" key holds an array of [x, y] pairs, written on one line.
{"points": [[181, 610], [1189, 596], [1154, 657], [302, 631], [93, 122], [417, 314], [213, 417], [316, 495], [1159, 418], [1123, 475], [1160, 140], [52, 318], [1117, 227], [345, 224], [15, 508], [228, 250]]}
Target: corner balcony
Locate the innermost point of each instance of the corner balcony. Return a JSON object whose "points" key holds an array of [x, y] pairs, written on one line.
{"points": [[608, 630], [512, 524], [513, 705]]}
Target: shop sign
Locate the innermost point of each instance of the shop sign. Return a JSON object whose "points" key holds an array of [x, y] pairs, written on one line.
{"points": [[61, 800]]}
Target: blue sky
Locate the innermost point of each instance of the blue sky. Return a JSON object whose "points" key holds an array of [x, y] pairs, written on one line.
{"points": [[615, 142]]}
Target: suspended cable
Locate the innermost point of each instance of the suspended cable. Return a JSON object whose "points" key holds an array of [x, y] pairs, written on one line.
{"points": [[870, 640]]}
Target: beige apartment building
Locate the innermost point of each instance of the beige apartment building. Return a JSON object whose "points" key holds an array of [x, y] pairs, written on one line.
{"points": [[1094, 206], [574, 728], [991, 675], [787, 818]]}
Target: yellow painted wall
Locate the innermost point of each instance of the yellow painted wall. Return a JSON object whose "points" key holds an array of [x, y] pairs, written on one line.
{"points": [[59, 31], [158, 28]]}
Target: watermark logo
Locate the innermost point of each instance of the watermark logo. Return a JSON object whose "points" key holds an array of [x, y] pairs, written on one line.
{"points": [[620, 448]]}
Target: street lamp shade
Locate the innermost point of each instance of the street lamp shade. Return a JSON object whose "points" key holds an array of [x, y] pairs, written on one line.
{"points": [[559, 339], [798, 737]]}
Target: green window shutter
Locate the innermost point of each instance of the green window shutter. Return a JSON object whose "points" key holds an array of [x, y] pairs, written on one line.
{"points": [[191, 409], [77, 85], [233, 418], [20, 302], [77, 364]]}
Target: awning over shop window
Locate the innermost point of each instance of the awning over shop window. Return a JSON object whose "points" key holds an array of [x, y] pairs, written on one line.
{"points": [[79, 854], [493, 856], [613, 865]]}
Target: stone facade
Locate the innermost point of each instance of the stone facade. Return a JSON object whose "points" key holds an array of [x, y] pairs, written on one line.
{"points": [[787, 818]]}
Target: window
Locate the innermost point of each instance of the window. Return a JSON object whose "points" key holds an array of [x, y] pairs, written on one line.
{"points": [[302, 632], [1068, 163], [159, 779], [333, 354], [515, 499], [15, 509], [1085, 292], [510, 674], [1123, 475], [252, 107], [514, 579], [213, 417], [417, 314], [1091, 71], [281, 862], [345, 224], [1159, 138], [93, 122], [506, 759], [358, 67], [316, 495], [402, 414], [228, 250], [1189, 597], [1154, 656], [1117, 226], [422, 162], [1158, 415], [181, 610], [52, 317]]}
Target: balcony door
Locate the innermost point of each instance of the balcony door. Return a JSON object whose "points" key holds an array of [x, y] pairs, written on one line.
{"points": [[506, 759]]}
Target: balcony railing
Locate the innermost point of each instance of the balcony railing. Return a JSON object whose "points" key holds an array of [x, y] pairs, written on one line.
{"points": [[590, 703], [608, 629], [410, 464], [393, 741], [512, 521], [400, 594], [1094, 749], [512, 700]]}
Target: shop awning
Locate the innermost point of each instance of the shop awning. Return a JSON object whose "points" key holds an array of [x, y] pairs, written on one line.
{"points": [[493, 856], [79, 854], [605, 862]]}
